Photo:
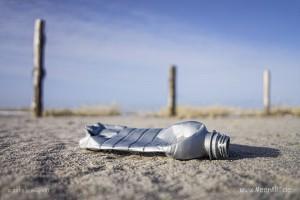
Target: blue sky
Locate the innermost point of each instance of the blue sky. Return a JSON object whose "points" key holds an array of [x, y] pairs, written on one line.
{"points": [[104, 52]]}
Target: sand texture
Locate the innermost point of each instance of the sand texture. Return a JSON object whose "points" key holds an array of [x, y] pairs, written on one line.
{"points": [[41, 159]]}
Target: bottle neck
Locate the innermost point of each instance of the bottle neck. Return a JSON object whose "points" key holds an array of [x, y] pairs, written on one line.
{"points": [[217, 145]]}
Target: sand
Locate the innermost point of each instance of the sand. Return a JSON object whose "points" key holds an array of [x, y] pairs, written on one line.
{"points": [[41, 159]]}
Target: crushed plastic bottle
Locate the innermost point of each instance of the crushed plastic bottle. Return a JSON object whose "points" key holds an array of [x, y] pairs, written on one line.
{"points": [[182, 141]]}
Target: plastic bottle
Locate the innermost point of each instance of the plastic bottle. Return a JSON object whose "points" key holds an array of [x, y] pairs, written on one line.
{"points": [[183, 140]]}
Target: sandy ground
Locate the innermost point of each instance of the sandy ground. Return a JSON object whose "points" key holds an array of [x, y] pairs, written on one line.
{"points": [[41, 159]]}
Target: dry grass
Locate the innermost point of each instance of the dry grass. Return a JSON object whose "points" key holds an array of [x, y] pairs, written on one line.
{"points": [[100, 110], [192, 111], [182, 111], [279, 111], [221, 111]]}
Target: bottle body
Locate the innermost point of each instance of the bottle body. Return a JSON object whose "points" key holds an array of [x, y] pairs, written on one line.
{"points": [[183, 140]]}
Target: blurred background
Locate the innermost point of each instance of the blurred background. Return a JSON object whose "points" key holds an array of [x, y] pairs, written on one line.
{"points": [[119, 52]]}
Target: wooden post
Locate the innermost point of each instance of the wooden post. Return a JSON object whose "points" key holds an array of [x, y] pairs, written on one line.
{"points": [[266, 91], [172, 91], [38, 67]]}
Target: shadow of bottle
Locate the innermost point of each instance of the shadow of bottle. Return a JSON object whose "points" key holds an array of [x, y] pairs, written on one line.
{"points": [[238, 151]]}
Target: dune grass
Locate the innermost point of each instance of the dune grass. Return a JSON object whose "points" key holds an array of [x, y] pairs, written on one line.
{"points": [[99, 110], [196, 111], [221, 111], [278, 111], [183, 111]]}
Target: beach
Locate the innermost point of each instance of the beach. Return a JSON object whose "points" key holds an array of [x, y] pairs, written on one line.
{"points": [[41, 159]]}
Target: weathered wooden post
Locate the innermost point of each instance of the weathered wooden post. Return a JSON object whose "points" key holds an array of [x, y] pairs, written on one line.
{"points": [[266, 91], [38, 67], [172, 91]]}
